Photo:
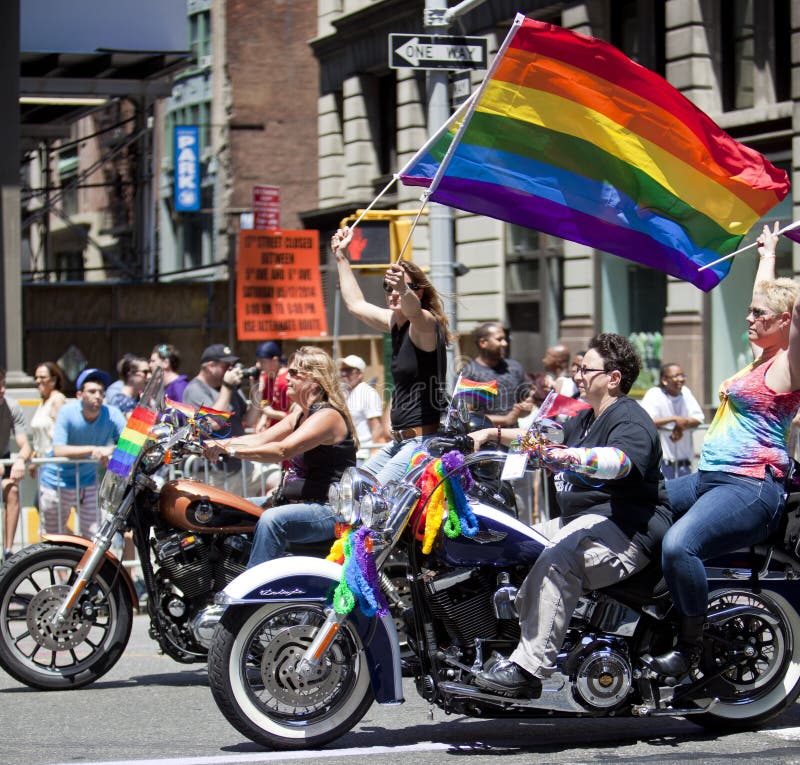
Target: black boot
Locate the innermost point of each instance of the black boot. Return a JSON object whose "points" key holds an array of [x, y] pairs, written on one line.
{"points": [[687, 651]]}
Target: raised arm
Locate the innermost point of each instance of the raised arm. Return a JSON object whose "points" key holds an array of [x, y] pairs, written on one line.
{"points": [[767, 244], [373, 315]]}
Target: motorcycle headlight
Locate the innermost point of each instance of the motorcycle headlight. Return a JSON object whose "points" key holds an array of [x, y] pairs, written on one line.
{"points": [[354, 484], [373, 510], [334, 498]]}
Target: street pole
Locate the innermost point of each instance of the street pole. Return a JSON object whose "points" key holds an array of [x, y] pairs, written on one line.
{"points": [[440, 218]]}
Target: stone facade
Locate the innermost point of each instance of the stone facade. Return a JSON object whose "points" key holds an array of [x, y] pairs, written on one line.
{"points": [[580, 291]]}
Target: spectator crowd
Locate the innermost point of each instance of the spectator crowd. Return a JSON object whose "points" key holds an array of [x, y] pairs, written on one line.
{"points": [[86, 428]]}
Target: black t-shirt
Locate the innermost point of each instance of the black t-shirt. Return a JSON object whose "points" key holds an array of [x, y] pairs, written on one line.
{"points": [[417, 397], [311, 473], [511, 385], [638, 503]]}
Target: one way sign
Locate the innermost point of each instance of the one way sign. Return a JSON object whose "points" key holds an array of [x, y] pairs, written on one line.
{"points": [[437, 52]]}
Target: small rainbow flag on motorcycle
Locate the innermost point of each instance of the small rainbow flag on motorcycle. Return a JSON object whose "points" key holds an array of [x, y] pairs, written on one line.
{"points": [[190, 412], [482, 390], [131, 441]]}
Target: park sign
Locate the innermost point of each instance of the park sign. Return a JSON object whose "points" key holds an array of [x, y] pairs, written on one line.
{"points": [[437, 52]]}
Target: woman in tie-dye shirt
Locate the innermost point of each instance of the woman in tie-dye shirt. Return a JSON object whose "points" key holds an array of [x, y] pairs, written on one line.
{"points": [[736, 497]]}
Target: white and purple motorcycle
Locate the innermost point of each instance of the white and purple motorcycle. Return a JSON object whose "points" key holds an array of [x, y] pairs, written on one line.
{"points": [[306, 646]]}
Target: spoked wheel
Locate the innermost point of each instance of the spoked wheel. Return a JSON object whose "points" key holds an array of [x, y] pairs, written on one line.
{"points": [[252, 670], [755, 657], [33, 584]]}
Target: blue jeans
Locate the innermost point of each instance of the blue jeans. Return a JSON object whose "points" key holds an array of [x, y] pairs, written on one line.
{"points": [[282, 525], [718, 513], [390, 463]]}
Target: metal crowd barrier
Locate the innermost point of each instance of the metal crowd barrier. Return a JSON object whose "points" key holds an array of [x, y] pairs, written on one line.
{"points": [[252, 480]]}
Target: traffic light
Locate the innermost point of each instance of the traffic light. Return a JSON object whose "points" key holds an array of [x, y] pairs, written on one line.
{"points": [[379, 238]]}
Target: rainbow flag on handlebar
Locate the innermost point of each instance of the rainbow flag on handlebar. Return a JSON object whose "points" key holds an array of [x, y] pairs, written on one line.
{"points": [[131, 441], [481, 390], [191, 412]]}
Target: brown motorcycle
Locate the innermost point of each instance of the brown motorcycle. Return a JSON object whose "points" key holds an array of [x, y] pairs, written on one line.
{"points": [[66, 604]]}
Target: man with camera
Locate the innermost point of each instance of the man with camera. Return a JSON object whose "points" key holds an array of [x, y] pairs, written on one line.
{"points": [[217, 386]]}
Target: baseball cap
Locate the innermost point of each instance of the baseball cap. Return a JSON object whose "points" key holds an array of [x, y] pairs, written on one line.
{"points": [[92, 374], [268, 350], [218, 352], [354, 362]]}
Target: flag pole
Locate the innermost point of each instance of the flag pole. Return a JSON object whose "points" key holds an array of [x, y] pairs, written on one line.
{"points": [[790, 227], [396, 176], [473, 103]]}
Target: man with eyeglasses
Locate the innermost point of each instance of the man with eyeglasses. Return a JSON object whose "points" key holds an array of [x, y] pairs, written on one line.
{"points": [[676, 413], [86, 428]]}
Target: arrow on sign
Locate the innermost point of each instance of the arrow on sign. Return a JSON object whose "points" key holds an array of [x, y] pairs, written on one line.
{"points": [[416, 52]]}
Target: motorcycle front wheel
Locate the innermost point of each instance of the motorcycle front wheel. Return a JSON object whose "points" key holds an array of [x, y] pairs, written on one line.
{"points": [[764, 677], [33, 584], [252, 670]]}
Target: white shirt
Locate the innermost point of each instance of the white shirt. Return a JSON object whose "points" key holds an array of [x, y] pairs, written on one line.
{"points": [[659, 404], [364, 403]]}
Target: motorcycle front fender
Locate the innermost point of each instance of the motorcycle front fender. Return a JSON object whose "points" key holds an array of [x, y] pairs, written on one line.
{"points": [[298, 578], [71, 540]]}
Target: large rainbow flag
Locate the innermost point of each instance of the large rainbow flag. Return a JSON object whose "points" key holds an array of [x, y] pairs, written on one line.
{"points": [[570, 137]]}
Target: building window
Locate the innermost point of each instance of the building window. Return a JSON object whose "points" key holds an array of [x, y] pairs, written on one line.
{"points": [[638, 30], [68, 180], [755, 49], [533, 280]]}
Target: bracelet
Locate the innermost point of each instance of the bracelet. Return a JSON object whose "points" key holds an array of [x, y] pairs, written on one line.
{"points": [[229, 386], [499, 436], [768, 256]]}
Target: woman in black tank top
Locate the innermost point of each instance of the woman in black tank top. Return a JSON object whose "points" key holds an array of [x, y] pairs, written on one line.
{"points": [[415, 317], [317, 438]]}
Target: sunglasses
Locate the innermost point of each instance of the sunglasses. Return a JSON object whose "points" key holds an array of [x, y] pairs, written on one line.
{"points": [[292, 372], [413, 286]]}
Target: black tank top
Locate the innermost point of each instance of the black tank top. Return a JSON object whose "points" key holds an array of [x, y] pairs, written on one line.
{"points": [[417, 398], [310, 474]]}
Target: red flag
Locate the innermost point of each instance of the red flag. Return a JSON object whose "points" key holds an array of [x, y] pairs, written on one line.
{"points": [[566, 406]]}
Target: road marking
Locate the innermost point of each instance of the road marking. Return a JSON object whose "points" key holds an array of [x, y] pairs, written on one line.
{"points": [[305, 754]]}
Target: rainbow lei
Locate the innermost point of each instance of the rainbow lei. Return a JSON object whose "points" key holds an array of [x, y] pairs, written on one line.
{"points": [[445, 498], [359, 582]]}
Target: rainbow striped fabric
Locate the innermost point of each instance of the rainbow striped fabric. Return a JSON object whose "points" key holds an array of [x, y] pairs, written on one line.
{"points": [[482, 390], [190, 412], [572, 138], [131, 441]]}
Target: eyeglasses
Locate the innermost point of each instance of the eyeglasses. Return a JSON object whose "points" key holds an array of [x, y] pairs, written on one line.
{"points": [[413, 286], [585, 370], [680, 376]]}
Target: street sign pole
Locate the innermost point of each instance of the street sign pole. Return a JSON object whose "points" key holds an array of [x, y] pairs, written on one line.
{"points": [[440, 217]]}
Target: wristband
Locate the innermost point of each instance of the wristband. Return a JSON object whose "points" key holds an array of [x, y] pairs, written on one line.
{"points": [[499, 436], [229, 386]]}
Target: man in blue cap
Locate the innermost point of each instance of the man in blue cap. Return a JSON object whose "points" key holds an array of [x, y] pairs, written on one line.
{"points": [[86, 428]]}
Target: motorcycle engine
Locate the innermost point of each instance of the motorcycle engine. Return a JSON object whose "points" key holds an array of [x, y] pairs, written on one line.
{"points": [[603, 676], [197, 565], [462, 601]]}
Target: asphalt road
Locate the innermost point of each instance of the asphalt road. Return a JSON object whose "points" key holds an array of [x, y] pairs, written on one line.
{"points": [[150, 710]]}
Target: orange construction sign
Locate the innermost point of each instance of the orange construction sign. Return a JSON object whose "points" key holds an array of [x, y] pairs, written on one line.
{"points": [[278, 286]]}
